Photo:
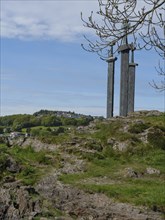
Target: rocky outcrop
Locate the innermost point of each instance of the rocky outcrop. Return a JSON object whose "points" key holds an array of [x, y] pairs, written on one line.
{"points": [[12, 166], [84, 205], [145, 113], [129, 172], [17, 203], [15, 141], [38, 145], [20, 202], [79, 204], [151, 171]]}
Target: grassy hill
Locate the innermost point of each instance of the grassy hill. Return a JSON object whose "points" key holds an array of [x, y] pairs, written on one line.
{"points": [[123, 158]]}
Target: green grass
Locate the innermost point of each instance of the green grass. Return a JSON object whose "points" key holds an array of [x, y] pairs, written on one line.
{"points": [[106, 131], [138, 192], [51, 135], [148, 190], [156, 138], [33, 164], [29, 175], [112, 130], [156, 120], [138, 128]]}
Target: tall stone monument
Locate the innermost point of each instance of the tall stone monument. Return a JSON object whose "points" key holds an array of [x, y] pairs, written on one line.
{"points": [[110, 83], [131, 82], [124, 50], [127, 77]]}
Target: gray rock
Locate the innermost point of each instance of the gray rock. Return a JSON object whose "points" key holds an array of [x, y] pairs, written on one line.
{"points": [[3, 209], [121, 146], [12, 166], [8, 179], [139, 121], [85, 206], [12, 213], [154, 113], [16, 141], [38, 145], [151, 171], [111, 141], [145, 113], [129, 172], [16, 203]]}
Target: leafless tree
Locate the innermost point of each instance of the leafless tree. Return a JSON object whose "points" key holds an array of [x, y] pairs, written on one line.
{"points": [[143, 21], [161, 85]]}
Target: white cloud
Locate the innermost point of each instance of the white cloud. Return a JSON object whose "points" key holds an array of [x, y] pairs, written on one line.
{"points": [[44, 19], [47, 19]]}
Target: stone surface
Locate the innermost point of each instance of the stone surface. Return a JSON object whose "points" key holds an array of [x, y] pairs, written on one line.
{"points": [[151, 171], [12, 166], [124, 80], [110, 86], [82, 205], [131, 87], [38, 145], [121, 146], [16, 203], [19, 202], [144, 113], [129, 172]]}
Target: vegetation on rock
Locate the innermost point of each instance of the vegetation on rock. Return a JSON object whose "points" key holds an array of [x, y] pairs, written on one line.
{"points": [[122, 158]]}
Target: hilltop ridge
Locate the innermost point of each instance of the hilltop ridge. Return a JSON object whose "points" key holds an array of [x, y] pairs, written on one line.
{"points": [[106, 169]]}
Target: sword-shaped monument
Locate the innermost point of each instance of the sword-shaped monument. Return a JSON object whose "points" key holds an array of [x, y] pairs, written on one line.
{"points": [[110, 83], [127, 77], [124, 50], [131, 82]]}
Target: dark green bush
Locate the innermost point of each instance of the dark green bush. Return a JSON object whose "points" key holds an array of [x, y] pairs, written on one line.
{"points": [[138, 128], [156, 138], [92, 156], [94, 146], [28, 171]]}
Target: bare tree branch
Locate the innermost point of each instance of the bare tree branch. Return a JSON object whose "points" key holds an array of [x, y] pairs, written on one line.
{"points": [[146, 25]]}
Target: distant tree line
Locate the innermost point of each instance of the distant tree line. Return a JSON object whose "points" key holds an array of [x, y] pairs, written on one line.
{"points": [[58, 113], [18, 122]]}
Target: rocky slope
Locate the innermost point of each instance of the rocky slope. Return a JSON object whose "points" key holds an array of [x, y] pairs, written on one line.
{"points": [[49, 197]]}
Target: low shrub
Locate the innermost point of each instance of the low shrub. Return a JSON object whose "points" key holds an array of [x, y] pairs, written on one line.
{"points": [[156, 138], [138, 128]]}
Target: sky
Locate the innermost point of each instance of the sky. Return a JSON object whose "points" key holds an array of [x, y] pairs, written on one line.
{"points": [[43, 65]]}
